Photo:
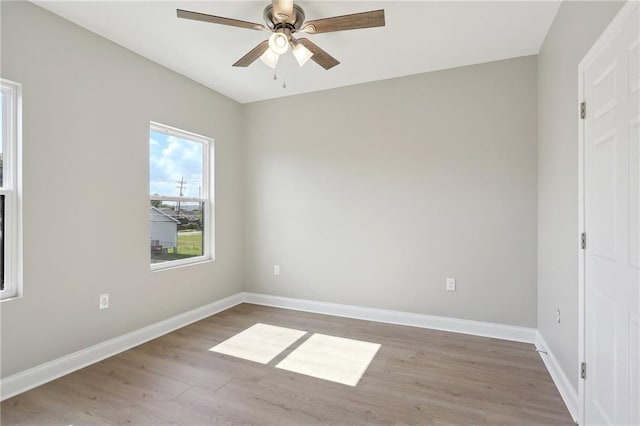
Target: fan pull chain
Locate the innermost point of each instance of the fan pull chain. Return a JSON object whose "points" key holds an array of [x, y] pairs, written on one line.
{"points": [[284, 81]]}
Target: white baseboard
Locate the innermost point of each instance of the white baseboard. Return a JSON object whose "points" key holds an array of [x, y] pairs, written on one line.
{"points": [[562, 382], [476, 328], [36, 376]]}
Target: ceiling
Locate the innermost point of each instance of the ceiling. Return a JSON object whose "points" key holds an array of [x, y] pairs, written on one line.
{"points": [[419, 36]]}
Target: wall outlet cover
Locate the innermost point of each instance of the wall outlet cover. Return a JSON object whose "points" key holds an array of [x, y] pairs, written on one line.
{"points": [[104, 301], [451, 284]]}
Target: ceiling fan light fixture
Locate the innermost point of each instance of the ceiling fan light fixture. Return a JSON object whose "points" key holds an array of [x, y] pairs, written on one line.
{"points": [[302, 54], [283, 18], [279, 43], [270, 58]]}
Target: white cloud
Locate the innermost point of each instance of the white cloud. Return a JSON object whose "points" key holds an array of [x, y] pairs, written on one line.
{"points": [[172, 160]]}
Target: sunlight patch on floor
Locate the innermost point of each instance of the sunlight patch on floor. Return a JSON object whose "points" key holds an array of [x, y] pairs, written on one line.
{"points": [[260, 342], [331, 358]]}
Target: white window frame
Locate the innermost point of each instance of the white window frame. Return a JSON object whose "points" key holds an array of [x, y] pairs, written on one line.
{"points": [[11, 188], [207, 196]]}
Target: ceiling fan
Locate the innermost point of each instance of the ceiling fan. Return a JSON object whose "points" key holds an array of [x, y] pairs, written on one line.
{"points": [[283, 19]]}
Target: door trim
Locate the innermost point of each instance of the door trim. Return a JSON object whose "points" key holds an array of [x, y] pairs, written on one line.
{"points": [[612, 30]]}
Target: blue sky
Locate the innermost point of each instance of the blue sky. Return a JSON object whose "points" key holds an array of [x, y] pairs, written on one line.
{"points": [[171, 159]]}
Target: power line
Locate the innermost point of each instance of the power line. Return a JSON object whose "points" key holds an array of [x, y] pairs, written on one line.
{"points": [[182, 183]]}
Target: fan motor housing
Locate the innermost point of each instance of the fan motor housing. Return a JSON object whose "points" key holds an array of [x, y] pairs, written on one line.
{"points": [[294, 24]]}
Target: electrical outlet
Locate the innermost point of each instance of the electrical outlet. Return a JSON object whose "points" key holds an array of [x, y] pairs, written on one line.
{"points": [[104, 301], [558, 316], [451, 284], [276, 270]]}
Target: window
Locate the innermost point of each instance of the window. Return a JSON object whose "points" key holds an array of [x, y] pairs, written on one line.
{"points": [[9, 189], [180, 208]]}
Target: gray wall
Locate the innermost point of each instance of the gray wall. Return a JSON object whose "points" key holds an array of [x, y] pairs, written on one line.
{"points": [[373, 194], [575, 28], [87, 105]]}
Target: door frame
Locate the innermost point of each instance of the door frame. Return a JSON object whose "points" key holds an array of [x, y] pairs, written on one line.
{"points": [[612, 30]]}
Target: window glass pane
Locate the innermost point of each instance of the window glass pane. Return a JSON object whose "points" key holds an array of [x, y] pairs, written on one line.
{"points": [[1, 242], [176, 230], [175, 166]]}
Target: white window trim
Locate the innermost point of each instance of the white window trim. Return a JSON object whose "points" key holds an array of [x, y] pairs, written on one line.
{"points": [[12, 188], [208, 235]]}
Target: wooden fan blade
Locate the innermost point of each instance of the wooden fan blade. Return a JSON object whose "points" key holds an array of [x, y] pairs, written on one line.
{"points": [[254, 54], [321, 57], [375, 18], [283, 10], [196, 16]]}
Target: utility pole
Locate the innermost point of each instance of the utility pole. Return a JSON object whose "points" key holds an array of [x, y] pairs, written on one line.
{"points": [[180, 186]]}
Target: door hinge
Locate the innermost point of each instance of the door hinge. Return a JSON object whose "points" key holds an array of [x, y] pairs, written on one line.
{"points": [[583, 241], [583, 110], [583, 370]]}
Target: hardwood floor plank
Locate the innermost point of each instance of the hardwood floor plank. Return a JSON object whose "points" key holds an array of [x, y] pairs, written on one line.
{"points": [[418, 377]]}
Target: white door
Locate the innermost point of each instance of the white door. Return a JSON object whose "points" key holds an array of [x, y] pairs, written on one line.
{"points": [[611, 132]]}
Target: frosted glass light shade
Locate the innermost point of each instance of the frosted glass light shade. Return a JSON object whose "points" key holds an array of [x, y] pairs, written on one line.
{"points": [[279, 43], [302, 54], [270, 58]]}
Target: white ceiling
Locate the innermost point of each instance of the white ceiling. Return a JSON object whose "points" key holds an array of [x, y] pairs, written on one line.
{"points": [[419, 36]]}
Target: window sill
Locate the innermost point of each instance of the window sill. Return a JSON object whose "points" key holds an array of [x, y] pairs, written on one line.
{"points": [[157, 267], [8, 299]]}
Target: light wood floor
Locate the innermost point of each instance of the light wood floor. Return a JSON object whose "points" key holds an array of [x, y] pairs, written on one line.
{"points": [[420, 377]]}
